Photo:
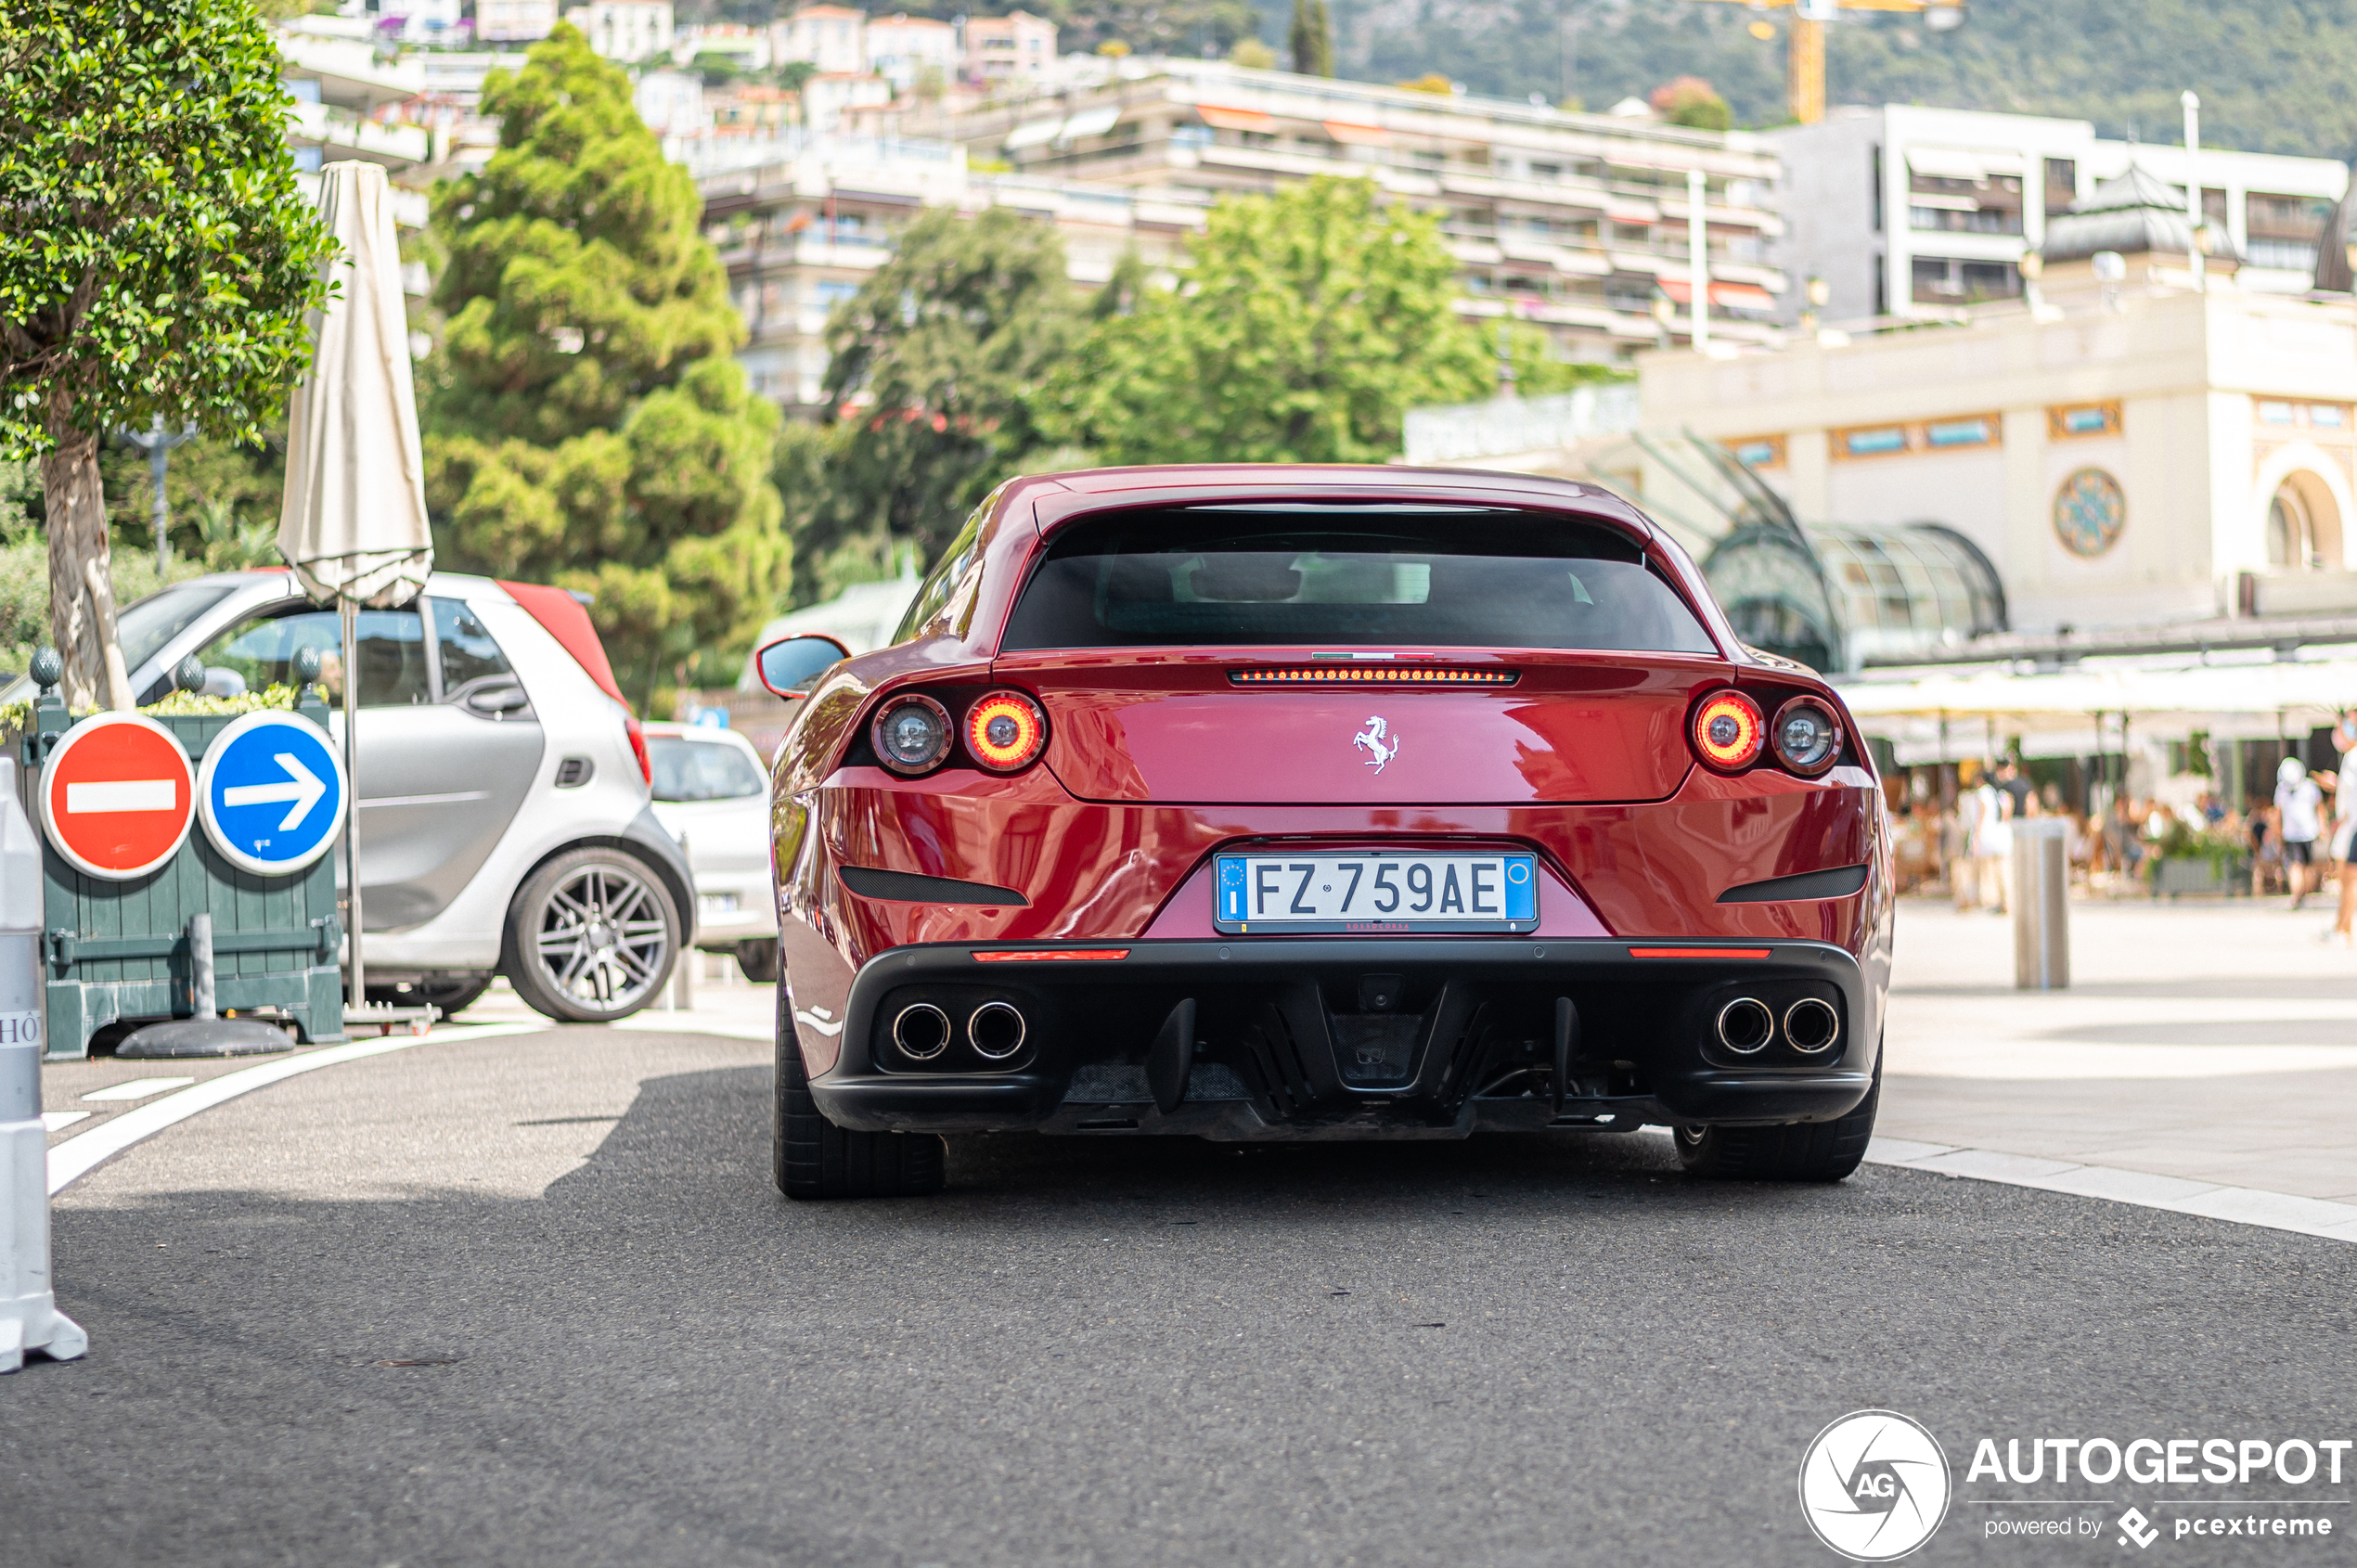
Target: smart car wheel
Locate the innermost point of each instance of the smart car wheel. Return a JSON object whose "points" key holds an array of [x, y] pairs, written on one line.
{"points": [[1798, 1151], [815, 1159], [591, 937]]}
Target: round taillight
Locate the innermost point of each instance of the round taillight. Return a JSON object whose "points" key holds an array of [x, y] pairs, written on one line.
{"points": [[1807, 737], [1005, 731], [1728, 731], [912, 734]]}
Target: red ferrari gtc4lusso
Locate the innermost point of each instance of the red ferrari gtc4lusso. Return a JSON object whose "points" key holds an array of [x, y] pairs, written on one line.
{"points": [[1296, 803]]}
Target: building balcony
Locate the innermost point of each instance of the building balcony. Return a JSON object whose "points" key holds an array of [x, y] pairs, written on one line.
{"points": [[338, 135]]}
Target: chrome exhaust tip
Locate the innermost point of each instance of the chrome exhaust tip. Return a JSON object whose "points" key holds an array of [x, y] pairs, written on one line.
{"points": [[1745, 1026], [996, 1031], [1811, 1025], [921, 1031]]}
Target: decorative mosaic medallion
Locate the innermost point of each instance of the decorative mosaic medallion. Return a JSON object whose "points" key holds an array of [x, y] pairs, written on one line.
{"points": [[2090, 510]]}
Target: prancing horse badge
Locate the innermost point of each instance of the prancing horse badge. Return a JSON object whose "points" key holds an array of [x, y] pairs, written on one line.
{"points": [[1373, 741]]}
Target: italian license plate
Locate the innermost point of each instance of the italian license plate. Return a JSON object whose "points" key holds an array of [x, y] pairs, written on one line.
{"points": [[1376, 893]]}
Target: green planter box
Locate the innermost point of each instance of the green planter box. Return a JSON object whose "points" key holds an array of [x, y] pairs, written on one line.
{"points": [[120, 950], [2200, 874]]}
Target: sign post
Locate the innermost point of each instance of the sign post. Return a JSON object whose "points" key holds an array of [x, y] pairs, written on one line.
{"points": [[29, 1317]]}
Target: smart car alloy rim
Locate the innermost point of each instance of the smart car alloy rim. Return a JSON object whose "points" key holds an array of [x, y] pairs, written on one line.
{"points": [[603, 938]]}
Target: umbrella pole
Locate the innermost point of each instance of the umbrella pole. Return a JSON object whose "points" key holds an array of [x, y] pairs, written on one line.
{"points": [[359, 991]]}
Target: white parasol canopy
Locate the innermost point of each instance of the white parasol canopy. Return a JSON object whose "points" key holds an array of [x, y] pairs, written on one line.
{"points": [[354, 522]]}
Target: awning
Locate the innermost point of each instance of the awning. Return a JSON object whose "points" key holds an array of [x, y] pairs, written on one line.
{"points": [[2315, 689], [1955, 164], [1091, 122], [1031, 133], [1623, 212], [1235, 119], [1734, 296], [1358, 135]]}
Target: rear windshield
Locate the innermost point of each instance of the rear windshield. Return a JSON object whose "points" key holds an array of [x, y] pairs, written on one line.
{"points": [[700, 770], [1337, 576]]}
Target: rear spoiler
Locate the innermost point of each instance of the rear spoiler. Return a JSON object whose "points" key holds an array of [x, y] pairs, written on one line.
{"points": [[563, 618]]}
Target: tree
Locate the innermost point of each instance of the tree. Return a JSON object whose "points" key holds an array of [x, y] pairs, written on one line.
{"points": [[578, 277], [935, 366], [583, 423], [156, 258], [1308, 325], [1311, 39], [1691, 101]]}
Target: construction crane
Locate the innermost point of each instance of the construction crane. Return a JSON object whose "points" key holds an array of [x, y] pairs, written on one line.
{"points": [[1805, 48]]}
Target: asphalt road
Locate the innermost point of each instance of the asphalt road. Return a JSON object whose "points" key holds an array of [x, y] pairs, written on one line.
{"points": [[531, 1299]]}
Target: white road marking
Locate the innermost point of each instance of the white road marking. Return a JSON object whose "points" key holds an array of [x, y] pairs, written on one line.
{"points": [[76, 1157], [139, 1088], [51, 1121], [303, 787], [123, 794], [2205, 1200]]}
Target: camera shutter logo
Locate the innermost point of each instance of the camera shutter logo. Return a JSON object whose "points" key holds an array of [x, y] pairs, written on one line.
{"points": [[1874, 1486]]}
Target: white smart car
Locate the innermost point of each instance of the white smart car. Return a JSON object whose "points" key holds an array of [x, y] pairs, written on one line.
{"points": [[712, 792], [506, 825]]}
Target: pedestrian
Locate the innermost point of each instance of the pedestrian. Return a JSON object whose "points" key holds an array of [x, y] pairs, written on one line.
{"points": [[1991, 841], [2299, 801], [2345, 827]]}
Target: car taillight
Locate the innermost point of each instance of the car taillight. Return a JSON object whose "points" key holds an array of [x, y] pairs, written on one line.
{"points": [[911, 734], [1728, 731], [1806, 735], [639, 749], [1005, 730]]}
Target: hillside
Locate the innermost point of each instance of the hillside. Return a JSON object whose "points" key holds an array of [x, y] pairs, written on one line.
{"points": [[2273, 75]]}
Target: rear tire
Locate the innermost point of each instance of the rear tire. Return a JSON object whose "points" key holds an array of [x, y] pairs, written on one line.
{"points": [[1795, 1152], [592, 937], [815, 1159], [757, 959]]}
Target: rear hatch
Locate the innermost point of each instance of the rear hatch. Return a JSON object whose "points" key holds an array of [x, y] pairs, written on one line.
{"points": [[1356, 655]]}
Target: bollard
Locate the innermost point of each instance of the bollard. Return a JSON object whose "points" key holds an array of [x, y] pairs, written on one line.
{"points": [[2041, 904], [200, 963], [29, 1317]]}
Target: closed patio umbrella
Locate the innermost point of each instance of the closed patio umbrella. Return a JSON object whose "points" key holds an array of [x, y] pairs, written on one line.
{"points": [[354, 522]]}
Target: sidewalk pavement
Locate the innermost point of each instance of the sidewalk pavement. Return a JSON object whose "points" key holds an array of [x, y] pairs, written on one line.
{"points": [[2213, 1042]]}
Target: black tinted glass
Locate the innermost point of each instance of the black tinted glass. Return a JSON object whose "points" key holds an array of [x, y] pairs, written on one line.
{"points": [[392, 653], [1335, 578]]}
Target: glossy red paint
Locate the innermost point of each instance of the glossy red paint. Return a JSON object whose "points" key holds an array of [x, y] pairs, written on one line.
{"points": [[1154, 762]]}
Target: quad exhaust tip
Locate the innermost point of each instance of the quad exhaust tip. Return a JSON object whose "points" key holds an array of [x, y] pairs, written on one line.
{"points": [[1811, 1025], [921, 1031], [1745, 1026], [995, 1030]]}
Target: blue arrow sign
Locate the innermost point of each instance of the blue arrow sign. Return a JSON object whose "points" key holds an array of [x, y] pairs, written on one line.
{"points": [[272, 793]]}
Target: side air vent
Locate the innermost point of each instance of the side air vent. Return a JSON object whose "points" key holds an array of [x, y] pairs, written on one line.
{"points": [[573, 772], [1372, 674]]}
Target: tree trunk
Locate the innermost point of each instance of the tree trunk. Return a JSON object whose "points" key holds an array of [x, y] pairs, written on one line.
{"points": [[80, 620]]}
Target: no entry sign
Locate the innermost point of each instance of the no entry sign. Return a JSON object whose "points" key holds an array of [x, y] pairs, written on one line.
{"points": [[117, 796]]}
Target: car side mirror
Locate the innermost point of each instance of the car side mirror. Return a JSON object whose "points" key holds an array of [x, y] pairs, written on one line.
{"points": [[788, 668]]}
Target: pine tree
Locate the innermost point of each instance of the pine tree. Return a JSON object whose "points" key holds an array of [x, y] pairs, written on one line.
{"points": [[585, 425], [1312, 39]]}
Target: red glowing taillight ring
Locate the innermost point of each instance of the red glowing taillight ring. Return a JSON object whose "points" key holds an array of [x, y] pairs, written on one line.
{"points": [[1728, 731], [1005, 730]]}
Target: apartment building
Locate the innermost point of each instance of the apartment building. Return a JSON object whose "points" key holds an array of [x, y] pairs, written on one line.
{"points": [[1575, 223], [800, 234], [1016, 45], [905, 50], [627, 32], [833, 38], [1909, 211], [514, 22]]}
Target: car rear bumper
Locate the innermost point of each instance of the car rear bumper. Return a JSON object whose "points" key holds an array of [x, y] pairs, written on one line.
{"points": [[1346, 1037]]}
